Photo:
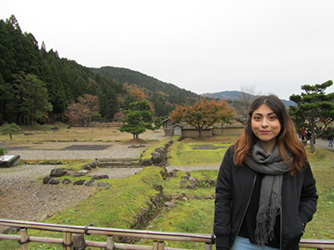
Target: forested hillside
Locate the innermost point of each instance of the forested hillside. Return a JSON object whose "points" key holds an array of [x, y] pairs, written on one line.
{"points": [[162, 95], [38, 86]]}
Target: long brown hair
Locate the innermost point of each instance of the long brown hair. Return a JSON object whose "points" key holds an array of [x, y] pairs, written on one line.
{"points": [[288, 142]]}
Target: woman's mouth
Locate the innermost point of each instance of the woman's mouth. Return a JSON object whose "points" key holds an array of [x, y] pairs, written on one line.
{"points": [[264, 132]]}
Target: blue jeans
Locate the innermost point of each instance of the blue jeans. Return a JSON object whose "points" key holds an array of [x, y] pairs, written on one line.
{"points": [[241, 243]]}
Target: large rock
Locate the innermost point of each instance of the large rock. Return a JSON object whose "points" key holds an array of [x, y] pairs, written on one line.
{"points": [[54, 181], [101, 176], [46, 180], [90, 183], [66, 181], [146, 162], [170, 205], [79, 182], [58, 172], [80, 173], [89, 166], [172, 173], [193, 181], [156, 157], [160, 150], [189, 182]]}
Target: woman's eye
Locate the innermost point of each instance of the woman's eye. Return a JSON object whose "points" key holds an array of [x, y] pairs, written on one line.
{"points": [[257, 118], [272, 118]]}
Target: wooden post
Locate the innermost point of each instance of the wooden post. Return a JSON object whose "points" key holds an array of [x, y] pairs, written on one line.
{"points": [[79, 242], [110, 243], [161, 245], [208, 246], [67, 241], [24, 239], [155, 245]]}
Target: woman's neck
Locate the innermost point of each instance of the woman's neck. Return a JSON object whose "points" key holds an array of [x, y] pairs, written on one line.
{"points": [[268, 146]]}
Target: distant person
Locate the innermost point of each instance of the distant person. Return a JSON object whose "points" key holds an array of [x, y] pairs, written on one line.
{"points": [[265, 193], [329, 133], [303, 134]]}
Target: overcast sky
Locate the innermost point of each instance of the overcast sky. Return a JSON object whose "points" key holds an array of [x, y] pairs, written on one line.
{"points": [[202, 46]]}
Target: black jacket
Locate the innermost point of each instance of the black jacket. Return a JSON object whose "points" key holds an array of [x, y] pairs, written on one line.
{"points": [[233, 192]]}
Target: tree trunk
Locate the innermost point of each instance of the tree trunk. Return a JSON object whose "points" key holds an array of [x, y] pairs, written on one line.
{"points": [[200, 133], [222, 127], [312, 144], [312, 139]]}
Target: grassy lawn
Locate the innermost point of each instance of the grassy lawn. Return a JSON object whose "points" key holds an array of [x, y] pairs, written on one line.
{"points": [[196, 152], [120, 203], [62, 133]]}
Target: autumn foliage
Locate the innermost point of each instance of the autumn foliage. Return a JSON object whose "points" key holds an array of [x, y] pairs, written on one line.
{"points": [[138, 95], [203, 114], [135, 91], [83, 111]]}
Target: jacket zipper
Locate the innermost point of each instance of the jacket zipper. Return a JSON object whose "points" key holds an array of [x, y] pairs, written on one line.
{"points": [[243, 216]]}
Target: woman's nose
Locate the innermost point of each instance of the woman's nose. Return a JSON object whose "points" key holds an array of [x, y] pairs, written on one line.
{"points": [[264, 123]]}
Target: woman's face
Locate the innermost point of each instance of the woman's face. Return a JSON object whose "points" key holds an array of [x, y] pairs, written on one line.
{"points": [[265, 125]]}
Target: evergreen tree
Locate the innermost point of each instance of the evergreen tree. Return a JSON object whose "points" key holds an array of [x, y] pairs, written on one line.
{"points": [[7, 97], [31, 99], [10, 129], [138, 119], [314, 106], [108, 102]]}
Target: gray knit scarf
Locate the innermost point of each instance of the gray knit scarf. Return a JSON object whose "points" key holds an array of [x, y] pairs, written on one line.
{"points": [[273, 167]]}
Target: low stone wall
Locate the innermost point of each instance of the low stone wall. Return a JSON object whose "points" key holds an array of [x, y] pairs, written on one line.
{"points": [[60, 172], [159, 156]]}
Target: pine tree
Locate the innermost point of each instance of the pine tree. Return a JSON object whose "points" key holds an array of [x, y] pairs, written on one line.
{"points": [[314, 106], [138, 119]]}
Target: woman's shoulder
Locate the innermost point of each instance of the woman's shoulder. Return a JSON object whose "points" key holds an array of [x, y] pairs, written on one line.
{"points": [[229, 154], [230, 150], [306, 167]]}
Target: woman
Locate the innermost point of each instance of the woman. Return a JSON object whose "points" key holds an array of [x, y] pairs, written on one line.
{"points": [[265, 191]]}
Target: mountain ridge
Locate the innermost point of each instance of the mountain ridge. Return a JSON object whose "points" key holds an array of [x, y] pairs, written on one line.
{"points": [[236, 95], [164, 96]]}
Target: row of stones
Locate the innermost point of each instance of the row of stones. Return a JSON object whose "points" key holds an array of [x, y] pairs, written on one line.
{"points": [[60, 172]]}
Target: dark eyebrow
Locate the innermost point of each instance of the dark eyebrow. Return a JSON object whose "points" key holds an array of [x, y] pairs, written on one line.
{"points": [[272, 113]]}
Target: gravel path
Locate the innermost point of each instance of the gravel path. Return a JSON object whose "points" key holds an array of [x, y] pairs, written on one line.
{"points": [[24, 197], [66, 151]]}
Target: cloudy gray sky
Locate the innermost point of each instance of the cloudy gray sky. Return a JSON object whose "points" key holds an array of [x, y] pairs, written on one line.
{"points": [[202, 46]]}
